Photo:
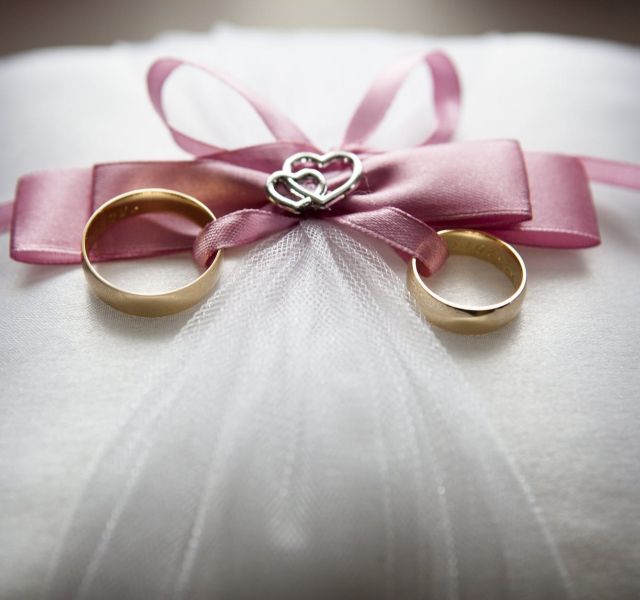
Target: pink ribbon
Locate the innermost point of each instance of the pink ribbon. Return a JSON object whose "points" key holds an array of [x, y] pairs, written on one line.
{"points": [[404, 197]]}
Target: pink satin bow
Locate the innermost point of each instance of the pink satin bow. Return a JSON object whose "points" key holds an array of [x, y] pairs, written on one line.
{"points": [[530, 198]]}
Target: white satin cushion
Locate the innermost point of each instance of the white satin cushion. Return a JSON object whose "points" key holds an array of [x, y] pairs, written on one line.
{"points": [[560, 385]]}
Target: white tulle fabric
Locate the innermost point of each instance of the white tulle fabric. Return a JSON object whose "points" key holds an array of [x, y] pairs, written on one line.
{"points": [[316, 441]]}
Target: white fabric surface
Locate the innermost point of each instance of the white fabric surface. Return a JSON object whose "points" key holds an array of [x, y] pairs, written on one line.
{"points": [[559, 384]]}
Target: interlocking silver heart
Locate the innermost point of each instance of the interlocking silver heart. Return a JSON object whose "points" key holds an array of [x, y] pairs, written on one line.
{"points": [[320, 196]]}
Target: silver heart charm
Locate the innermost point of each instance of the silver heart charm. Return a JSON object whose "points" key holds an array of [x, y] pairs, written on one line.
{"points": [[326, 199], [319, 197], [291, 182]]}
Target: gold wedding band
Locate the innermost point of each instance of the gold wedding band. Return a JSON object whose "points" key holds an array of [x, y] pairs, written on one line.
{"points": [[461, 318], [140, 202]]}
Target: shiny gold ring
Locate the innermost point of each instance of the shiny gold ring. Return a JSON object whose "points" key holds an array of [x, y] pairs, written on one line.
{"points": [[462, 318], [140, 202]]}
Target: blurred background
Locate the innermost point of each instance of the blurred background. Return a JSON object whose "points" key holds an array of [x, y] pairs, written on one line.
{"points": [[31, 24]]}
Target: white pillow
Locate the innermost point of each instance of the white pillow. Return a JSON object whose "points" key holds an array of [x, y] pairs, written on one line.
{"points": [[559, 385]]}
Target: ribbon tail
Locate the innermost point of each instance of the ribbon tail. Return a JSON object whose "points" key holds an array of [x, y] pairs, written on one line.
{"points": [[408, 236], [237, 229], [612, 172]]}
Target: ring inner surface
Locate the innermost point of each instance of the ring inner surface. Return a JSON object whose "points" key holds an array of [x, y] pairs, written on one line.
{"points": [[144, 203], [468, 243]]}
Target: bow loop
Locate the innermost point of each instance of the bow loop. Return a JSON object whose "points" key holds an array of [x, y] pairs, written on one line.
{"points": [[283, 129], [376, 102]]}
